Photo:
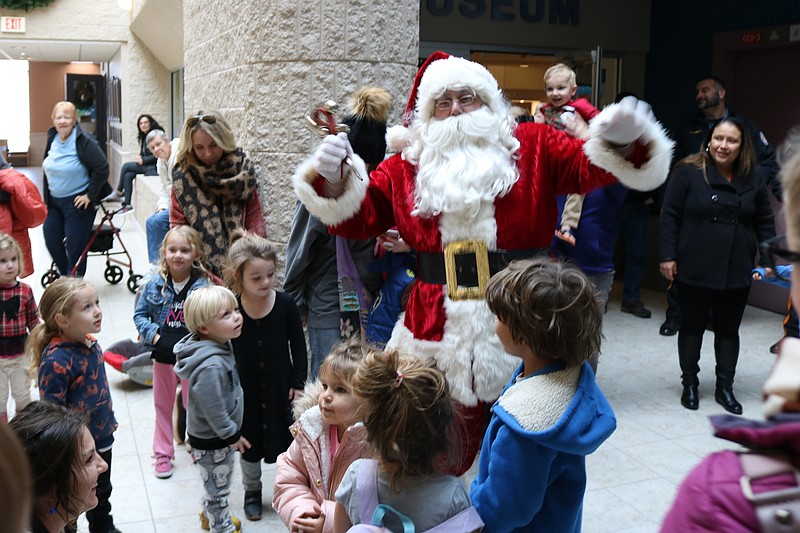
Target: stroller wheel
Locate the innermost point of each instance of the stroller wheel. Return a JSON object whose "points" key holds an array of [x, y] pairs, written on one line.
{"points": [[133, 282], [49, 277], [113, 274]]}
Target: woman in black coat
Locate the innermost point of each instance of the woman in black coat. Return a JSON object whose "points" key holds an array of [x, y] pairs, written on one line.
{"points": [[75, 179], [716, 210]]}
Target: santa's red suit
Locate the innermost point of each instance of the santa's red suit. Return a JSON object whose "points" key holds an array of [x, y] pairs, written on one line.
{"points": [[459, 335]]}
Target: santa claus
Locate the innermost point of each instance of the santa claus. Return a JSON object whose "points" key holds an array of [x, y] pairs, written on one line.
{"points": [[470, 190]]}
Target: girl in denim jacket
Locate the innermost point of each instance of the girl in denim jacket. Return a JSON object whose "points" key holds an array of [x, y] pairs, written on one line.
{"points": [[159, 319]]}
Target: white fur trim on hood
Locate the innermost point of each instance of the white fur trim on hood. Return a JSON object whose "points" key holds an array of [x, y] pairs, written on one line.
{"points": [[650, 175], [331, 211], [539, 402]]}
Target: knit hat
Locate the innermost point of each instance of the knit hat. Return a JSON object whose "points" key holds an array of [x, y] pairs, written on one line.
{"points": [[366, 112], [440, 72], [782, 388]]}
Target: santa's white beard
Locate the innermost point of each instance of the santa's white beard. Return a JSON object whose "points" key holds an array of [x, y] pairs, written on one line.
{"points": [[463, 161]]}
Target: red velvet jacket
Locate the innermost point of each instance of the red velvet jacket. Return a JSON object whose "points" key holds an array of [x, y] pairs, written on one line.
{"points": [[459, 335]]}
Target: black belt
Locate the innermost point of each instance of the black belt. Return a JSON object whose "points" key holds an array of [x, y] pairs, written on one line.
{"points": [[431, 269]]}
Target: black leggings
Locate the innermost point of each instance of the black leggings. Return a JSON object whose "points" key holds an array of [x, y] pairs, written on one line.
{"points": [[128, 174], [99, 518], [725, 305]]}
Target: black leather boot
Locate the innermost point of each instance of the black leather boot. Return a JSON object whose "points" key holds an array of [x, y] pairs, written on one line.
{"points": [[253, 507], [689, 357], [727, 353]]}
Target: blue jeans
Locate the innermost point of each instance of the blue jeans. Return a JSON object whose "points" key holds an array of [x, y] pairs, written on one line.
{"points": [[633, 221], [157, 227], [66, 220], [321, 340]]}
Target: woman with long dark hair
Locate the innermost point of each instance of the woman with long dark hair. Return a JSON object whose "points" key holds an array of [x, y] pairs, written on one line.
{"points": [[143, 163], [716, 211], [64, 464]]}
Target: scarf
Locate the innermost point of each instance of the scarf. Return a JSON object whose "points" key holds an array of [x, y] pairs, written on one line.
{"points": [[213, 200]]}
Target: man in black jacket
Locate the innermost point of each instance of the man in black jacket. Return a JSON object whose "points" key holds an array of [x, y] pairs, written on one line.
{"points": [[711, 108]]}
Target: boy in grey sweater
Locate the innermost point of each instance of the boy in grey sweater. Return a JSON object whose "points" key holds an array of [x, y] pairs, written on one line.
{"points": [[214, 414]]}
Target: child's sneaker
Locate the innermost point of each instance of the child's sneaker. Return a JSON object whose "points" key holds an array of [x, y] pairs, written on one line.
{"points": [[163, 467], [204, 522]]}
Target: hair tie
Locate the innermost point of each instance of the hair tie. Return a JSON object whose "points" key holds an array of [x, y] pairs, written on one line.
{"points": [[398, 380], [53, 509]]}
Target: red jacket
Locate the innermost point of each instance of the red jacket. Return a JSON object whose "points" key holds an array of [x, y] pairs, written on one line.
{"points": [[25, 210]]}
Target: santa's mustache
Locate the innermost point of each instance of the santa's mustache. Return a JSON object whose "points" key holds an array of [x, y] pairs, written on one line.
{"points": [[476, 127]]}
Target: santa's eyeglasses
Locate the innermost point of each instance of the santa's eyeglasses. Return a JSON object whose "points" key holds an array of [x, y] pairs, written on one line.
{"points": [[447, 103]]}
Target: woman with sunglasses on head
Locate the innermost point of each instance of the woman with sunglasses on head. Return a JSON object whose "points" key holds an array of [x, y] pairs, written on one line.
{"points": [[214, 185], [64, 464], [716, 210]]}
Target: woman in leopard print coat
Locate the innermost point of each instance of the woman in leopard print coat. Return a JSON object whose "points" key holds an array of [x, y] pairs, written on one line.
{"points": [[214, 185]]}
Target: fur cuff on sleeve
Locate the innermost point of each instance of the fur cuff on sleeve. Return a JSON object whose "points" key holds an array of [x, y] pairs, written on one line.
{"points": [[648, 176], [332, 211]]}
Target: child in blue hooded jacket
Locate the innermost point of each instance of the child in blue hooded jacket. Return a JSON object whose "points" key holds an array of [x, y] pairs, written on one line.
{"points": [[532, 474]]}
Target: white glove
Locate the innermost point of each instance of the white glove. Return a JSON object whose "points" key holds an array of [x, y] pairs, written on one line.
{"points": [[628, 123], [329, 156]]}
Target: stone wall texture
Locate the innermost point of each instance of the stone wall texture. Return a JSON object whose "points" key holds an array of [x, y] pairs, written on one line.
{"points": [[265, 65]]}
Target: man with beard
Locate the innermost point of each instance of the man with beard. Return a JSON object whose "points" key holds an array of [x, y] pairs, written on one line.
{"points": [[711, 105], [470, 191], [711, 108]]}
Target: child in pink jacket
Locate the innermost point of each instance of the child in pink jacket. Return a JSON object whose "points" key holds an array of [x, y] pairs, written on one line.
{"points": [[326, 440]]}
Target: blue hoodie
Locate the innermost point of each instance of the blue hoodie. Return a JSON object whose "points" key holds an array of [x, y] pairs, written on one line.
{"points": [[532, 474]]}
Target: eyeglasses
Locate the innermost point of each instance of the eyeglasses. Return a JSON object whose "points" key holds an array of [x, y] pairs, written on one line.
{"points": [[771, 250], [192, 122], [463, 101]]}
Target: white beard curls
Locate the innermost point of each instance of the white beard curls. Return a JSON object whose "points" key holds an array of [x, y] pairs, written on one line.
{"points": [[462, 161]]}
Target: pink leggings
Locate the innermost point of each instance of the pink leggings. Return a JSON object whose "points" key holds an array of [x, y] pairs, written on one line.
{"points": [[164, 383]]}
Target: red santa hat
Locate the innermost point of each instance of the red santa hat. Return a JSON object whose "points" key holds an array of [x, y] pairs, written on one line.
{"points": [[438, 73]]}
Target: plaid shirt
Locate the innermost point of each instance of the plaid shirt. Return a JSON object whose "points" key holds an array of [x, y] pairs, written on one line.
{"points": [[18, 315]]}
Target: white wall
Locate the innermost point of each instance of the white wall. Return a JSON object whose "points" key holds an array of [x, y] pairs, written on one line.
{"points": [[15, 125]]}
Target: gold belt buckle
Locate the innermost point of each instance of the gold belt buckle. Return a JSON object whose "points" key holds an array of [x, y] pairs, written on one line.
{"points": [[468, 246]]}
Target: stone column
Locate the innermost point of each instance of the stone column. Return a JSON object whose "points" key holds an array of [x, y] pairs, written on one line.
{"points": [[265, 64]]}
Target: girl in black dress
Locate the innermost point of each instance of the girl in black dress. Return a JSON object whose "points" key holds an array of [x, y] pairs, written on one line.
{"points": [[270, 355]]}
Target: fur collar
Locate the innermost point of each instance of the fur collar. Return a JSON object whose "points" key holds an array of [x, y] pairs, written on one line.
{"points": [[538, 402]]}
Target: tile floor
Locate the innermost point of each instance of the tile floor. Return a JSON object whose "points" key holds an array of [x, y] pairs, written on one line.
{"points": [[632, 478]]}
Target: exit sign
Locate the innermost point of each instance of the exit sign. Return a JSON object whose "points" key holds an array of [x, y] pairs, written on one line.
{"points": [[12, 24], [751, 37]]}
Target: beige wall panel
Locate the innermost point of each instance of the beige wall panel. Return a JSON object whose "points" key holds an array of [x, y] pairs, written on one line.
{"points": [[264, 65]]}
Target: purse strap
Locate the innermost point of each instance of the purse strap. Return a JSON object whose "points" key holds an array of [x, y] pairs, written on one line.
{"points": [[369, 509], [367, 489], [382, 510], [778, 511]]}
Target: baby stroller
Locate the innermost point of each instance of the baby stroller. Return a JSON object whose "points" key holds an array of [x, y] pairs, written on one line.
{"points": [[102, 244]]}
